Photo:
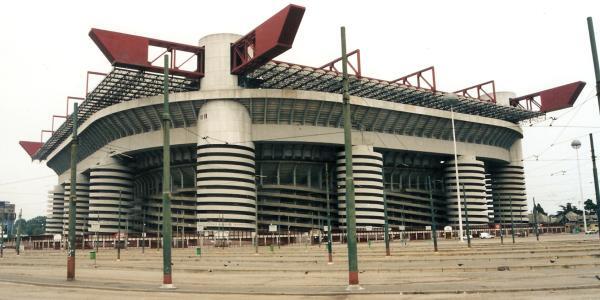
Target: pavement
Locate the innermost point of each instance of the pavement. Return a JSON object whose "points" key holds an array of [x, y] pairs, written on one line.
{"points": [[561, 266]]}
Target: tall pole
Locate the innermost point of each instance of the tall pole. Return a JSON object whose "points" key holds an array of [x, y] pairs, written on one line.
{"points": [[512, 221], [386, 224], [143, 230], [433, 224], [166, 185], [18, 241], [535, 221], [460, 225], [72, 199], [350, 213], [119, 231], [594, 56], [329, 241], [581, 190], [501, 227], [466, 215], [595, 182], [1, 236]]}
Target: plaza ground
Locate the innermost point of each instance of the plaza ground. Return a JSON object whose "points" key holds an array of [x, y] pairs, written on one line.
{"points": [[561, 266]]}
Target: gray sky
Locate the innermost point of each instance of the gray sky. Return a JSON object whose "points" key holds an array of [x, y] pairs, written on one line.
{"points": [[525, 46]]}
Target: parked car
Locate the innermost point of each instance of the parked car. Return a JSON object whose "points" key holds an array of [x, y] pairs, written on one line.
{"points": [[486, 235]]}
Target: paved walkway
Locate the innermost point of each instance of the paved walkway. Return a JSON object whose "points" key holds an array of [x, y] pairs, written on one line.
{"points": [[560, 265]]}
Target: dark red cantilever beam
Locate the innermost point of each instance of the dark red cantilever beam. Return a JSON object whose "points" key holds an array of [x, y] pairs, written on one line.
{"points": [[31, 147], [131, 51], [267, 41], [551, 99]]}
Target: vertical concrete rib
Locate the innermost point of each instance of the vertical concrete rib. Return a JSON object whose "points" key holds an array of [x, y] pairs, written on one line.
{"points": [[56, 201], [106, 182], [368, 181], [471, 173], [225, 174], [82, 205]]}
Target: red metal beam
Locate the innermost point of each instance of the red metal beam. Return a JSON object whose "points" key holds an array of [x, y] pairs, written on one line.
{"points": [[421, 81], [353, 67], [490, 96], [87, 80], [54, 117], [267, 41], [72, 98], [42, 134], [551, 99], [131, 51], [30, 147]]}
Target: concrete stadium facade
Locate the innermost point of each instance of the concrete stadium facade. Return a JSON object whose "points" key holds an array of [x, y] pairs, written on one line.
{"points": [[245, 157]]}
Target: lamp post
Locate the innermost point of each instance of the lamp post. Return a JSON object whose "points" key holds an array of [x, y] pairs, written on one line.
{"points": [[350, 208], [329, 241], [512, 221], [453, 99], [118, 243], [433, 224], [576, 144], [466, 215]]}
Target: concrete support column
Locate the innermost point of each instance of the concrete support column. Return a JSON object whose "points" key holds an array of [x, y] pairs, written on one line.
{"points": [[225, 174], [508, 183], [471, 173], [367, 166], [107, 180], [56, 207], [82, 204]]}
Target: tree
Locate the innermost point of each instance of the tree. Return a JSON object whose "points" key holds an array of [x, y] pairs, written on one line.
{"points": [[540, 210], [36, 226], [564, 210], [590, 206]]}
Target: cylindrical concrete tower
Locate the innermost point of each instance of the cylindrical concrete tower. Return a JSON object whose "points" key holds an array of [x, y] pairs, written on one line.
{"points": [[217, 63], [508, 185], [226, 183], [82, 204], [106, 181], [471, 173], [56, 201], [367, 168]]}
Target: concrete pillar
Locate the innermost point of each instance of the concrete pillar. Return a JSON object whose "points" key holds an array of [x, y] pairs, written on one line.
{"points": [[56, 206], [508, 182], [367, 168], [217, 68], [225, 179], [82, 205], [107, 179], [471, 173]]}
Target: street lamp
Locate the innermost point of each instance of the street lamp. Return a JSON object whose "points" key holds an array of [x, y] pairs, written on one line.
{"points": [[452, 99], [576, 144]]}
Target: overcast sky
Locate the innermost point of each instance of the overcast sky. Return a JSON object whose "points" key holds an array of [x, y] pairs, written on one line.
{"points": [[525, 46]]}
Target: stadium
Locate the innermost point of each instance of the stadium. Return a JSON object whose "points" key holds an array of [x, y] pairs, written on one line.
{"points": [[258, 142]]}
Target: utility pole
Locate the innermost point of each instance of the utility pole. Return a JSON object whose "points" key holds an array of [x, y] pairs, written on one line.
{"points": [[386, 224], [535, 221], [433, 224], [72, 199], [595, 178], [18, 241], [594, 56], [1, 236], [466, 215], [166, 201], [350, 213], [329, 241], [119, 231], [143, 230], [512, 222]]}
